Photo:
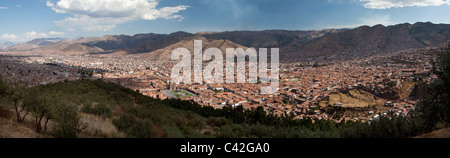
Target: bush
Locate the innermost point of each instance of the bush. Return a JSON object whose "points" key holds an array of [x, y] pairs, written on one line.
{"points": [[100, 109], [67, 122], [3, 87], [218, 121], [173, 131], [135, 128], [5, 113], [232, 131]]}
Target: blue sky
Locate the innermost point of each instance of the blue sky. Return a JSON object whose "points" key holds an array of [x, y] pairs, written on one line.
{"points": [[23, 20]]}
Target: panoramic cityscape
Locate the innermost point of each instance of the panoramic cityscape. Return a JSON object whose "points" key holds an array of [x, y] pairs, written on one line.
{"points": [[304, 87], [104, 69]]}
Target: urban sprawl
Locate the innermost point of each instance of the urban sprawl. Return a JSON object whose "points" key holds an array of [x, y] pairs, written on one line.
{"points": [[303, 85]]}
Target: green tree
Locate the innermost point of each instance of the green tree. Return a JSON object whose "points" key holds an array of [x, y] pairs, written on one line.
{"points": [[67, 122], [15, 94], [316, 64], [3, 87], [434, 106], [42, 108]]}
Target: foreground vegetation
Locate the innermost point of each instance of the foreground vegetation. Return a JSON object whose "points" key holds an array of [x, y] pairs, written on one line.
{"points": [[140, 116], [55, 109]]}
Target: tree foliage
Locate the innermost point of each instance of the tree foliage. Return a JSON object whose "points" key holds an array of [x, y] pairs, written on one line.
{"points": [[67, 122], [434, 106]]}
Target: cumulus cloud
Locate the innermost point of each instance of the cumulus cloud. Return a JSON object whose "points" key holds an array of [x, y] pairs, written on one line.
{"points": [[386, 4], [90, 24], [54, 33], [34, 34], [8, 36], [104, 15]]}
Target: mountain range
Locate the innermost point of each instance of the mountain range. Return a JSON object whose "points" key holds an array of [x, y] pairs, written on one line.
{"points": [[32, 45], [294, 45], [6, 44]]}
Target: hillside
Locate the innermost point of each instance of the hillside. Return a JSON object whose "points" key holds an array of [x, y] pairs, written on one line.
{"points": [[442, 133], [103, 107], [11, 129], [94, 108]]}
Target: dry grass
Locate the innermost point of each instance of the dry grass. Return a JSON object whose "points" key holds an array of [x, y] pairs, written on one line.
{"points": [[442, 133], [99, 127], [405, 89], [354, 99], [9, 128]]}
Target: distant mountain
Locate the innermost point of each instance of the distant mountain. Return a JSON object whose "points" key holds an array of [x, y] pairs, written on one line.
{"points": [[367, 40], [294, 45], [6, 44], [164, 54], [144, 43], [33, 44], [140, 43], [361, 41], [80, 44], [271, 38]]}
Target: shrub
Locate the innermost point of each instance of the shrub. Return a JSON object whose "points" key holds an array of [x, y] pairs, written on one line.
{"points": [[67, 122], [135, 128], [100, 109], [173, 131], [5, 113], [218, 121]]}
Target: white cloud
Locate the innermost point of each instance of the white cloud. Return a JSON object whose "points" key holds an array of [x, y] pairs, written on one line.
{"points": [[33, 34], [104, 15], [18, 5], [386, 4], [377, 19], [29, 36], [56, 33], [8, 36], [90, 24], [369, 21], [3, 7]]}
